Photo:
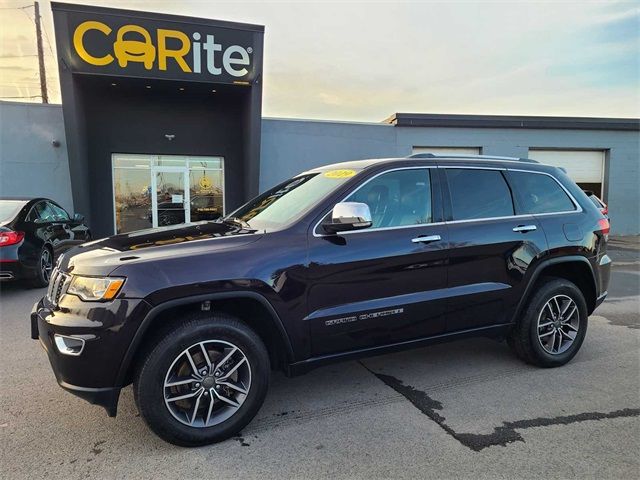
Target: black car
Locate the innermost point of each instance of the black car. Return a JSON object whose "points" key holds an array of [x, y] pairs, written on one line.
{"points": [[339, 262], [33, 233]]}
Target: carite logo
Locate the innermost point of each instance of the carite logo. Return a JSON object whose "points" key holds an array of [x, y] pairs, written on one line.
{"points": [[155, 48]]}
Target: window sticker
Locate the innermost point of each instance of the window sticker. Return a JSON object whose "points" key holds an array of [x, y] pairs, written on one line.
{"points": [[343, 173]]}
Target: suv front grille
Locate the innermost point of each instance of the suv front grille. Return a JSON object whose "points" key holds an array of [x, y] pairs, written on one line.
{"points": [[57, 285]]}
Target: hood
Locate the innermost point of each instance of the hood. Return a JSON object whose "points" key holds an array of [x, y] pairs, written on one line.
{"points": [[100, 257]]}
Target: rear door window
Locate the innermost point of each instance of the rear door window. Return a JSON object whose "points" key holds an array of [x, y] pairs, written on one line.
{"points": [[45, 212], [59, 213], [539, 193], [478, 193]]}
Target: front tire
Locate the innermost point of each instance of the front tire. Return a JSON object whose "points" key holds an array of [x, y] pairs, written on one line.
{"points": [[202, 381], [553, 326]]}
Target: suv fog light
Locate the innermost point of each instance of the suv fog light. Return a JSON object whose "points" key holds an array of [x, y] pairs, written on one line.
{"points": [[69, 345]]}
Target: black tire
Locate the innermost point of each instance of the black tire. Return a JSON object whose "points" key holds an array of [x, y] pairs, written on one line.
{"points": [[148, 385], [523, 339], [41, 279]]}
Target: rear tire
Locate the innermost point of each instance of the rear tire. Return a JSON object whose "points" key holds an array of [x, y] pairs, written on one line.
{"points": [[553, 326], [225, 404]]}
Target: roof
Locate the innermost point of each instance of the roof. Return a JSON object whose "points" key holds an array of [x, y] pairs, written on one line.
{"points": [[363, 164], [353, 164], [20, 199], [508, 121]]}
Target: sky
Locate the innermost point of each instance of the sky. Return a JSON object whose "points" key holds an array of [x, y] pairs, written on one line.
{"points": [[365, 60]]}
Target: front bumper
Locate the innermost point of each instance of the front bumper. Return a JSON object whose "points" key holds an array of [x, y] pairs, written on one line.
{"points": [[105, 328]]}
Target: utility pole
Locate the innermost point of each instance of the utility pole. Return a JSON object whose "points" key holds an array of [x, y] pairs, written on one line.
{"points": [[43, 75]]}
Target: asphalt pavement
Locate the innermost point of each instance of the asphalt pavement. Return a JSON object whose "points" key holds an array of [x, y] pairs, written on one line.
{"points": [[468, 409]]}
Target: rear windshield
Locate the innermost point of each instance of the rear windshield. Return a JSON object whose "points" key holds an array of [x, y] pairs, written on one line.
{"points": [[595, 200], [9, 209]]}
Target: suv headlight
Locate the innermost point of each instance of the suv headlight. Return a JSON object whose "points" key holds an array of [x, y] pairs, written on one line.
{"points": [[95, 288]]}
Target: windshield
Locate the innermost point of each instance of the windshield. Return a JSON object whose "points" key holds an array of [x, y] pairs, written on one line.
{"points": [[9, 209], [288, 201]]}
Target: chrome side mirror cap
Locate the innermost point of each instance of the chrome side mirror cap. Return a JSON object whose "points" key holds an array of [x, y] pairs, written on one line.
{"points": [[348, 216]]}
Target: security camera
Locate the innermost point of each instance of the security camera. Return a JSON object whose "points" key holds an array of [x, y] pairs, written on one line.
{"points": [[55, 143]]}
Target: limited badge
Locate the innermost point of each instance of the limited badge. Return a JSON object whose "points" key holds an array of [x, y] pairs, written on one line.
{"points": [[343, 173]]}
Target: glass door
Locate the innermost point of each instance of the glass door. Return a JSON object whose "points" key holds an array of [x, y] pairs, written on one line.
{"points": [[157, 190], [170, 203]]}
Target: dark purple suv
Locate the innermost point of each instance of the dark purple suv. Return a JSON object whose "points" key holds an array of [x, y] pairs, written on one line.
{"points": [[339, 262]]}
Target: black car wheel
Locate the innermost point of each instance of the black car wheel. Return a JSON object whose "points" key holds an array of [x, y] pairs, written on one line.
{"points": [[202, 381], [43, 269], [553, 326]]}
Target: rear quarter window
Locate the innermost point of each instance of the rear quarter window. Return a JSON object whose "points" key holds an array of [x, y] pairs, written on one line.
{"points": [[539, 193]]}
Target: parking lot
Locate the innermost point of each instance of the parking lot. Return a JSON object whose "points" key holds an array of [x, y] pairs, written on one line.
{"points": [[466, 409]]}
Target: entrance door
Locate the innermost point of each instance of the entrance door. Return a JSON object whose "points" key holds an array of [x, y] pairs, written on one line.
{"points": [[170, 204]]}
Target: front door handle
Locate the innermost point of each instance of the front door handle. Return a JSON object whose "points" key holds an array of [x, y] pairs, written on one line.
{"points": [[426, 239], [524, 228]]}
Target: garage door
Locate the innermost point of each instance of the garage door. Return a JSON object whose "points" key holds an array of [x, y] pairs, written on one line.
{"points": [[585, 167], [448, 150]]}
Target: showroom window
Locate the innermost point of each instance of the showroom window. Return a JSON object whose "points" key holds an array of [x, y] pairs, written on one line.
{"points": [[478, 194], [160, 190]]}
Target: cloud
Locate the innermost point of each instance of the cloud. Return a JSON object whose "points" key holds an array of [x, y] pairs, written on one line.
{"points": [[363, 60]]}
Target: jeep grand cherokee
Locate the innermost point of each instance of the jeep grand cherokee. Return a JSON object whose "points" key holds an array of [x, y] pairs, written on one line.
{"points": [[339, 262]]}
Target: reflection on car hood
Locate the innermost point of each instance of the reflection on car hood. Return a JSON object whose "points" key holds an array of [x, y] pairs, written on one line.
{"points": [[171, 235], [102, 256]]}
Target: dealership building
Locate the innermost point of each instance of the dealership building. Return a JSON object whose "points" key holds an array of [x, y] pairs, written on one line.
{"points": [[161, 123]]}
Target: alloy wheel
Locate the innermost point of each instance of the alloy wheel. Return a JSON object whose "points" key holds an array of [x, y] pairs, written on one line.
{"points": [[558, 324], [46, 264], [207, 383]]}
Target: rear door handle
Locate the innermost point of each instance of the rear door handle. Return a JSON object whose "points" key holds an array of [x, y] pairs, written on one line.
{"points": [[524, 228], [426, 239]]}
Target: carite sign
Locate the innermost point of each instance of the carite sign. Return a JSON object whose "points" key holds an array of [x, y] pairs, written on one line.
{"points": [[150, 48]]}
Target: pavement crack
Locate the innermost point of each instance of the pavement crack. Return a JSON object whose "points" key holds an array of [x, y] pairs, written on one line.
{"points": [[502, 435]]}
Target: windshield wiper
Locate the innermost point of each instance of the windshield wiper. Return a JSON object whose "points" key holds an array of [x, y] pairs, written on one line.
{"points": [[237, 221]]}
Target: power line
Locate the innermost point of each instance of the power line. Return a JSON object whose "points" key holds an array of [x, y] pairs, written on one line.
{"points": [[19, 56], [25, 96], [16, 8]]}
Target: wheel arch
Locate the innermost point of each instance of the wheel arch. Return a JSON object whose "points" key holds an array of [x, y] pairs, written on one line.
{"points": [[575, 268], [254, 310]]}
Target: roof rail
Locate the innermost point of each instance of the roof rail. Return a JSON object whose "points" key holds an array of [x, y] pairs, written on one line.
{"points": [[474, 157]]}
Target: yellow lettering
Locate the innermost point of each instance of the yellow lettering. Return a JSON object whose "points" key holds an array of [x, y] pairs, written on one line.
{"points": [[78, 37], [134, 50], [178, 55]]}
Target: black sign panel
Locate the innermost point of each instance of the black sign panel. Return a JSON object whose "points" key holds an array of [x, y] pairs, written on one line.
{"points": [[147, 47]]}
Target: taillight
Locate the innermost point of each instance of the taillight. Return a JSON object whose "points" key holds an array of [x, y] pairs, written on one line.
{"points": [[605, 210], [10, 238], [604, 226]]}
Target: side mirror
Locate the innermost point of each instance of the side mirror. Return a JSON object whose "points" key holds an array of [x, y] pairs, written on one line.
{"points": [[78, 217], [348, 216]]}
